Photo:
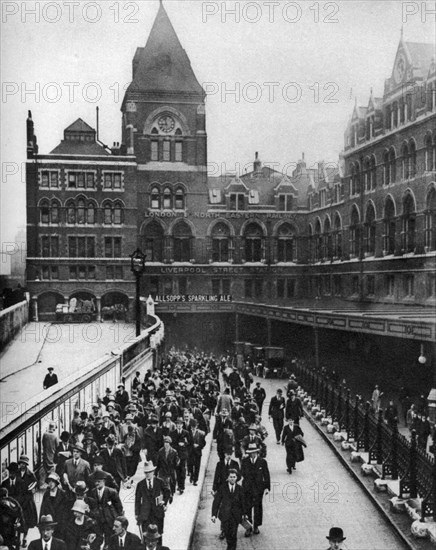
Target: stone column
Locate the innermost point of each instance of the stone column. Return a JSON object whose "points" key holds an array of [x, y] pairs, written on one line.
{"points": [[99, 319], [35, 308]]}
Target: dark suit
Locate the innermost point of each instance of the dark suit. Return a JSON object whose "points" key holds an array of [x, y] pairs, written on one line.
{"points": [[115, 464], [194, 462], [56, 544], [131, 542], [277, 412], [229, 508], [77, 473], [294, 449], [153, 441], [222, 473], [108, 508], [49, 381], [166, 467], [181, 442], [256, 480], [146, 509]]}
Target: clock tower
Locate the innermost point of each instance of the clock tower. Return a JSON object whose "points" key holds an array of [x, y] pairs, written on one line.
{"points": [[163, 121]]}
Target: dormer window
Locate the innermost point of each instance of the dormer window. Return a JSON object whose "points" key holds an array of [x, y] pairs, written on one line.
{"points": [[253, 197], [237, 201], [286, 202]]}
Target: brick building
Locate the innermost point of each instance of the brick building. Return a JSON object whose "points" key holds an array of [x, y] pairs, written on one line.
{"points": [[356, 236]]}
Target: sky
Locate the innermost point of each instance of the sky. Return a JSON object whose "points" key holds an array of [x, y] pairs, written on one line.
{"points": [[282, 77]]}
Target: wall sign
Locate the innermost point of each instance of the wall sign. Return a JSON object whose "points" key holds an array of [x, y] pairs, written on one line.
{"points": [[180, 298]]}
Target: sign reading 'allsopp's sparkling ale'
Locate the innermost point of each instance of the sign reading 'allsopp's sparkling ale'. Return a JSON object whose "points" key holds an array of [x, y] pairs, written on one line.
{"points": [[179, 298]]}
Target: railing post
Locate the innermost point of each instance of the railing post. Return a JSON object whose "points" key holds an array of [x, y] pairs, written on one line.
{"points": [[394, 467], [344, 423], [413, 492], [366, 427]]}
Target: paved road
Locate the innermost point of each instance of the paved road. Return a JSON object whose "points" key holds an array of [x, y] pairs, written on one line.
{"points": [[302, 507]]}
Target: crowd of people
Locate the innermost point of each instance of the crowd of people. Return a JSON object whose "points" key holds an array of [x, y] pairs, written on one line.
{"points": [[163, 420]]}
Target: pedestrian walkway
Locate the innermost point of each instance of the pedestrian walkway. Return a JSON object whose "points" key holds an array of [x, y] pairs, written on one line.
{"points": [[67, 348], [302, 507]]}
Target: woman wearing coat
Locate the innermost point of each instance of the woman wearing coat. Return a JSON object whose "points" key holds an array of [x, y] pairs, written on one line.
{"points": [[26, 500], [54, 504], [292, 439]]}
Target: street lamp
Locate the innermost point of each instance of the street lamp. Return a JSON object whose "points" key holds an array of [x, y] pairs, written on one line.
{"points": [[137, 266]]}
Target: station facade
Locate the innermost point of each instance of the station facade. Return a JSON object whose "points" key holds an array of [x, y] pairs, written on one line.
{"points": [[357, 234]]}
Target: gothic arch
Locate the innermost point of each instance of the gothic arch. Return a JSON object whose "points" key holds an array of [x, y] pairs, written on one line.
{"points": [[276, 228], [216, 222], [149, 221], [182, 220], [389, 198], [369, 204], [166, 109], [253, 221], [408, 193]]}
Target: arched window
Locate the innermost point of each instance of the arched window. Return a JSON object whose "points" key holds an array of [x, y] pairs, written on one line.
{"points": [[392, 165], [91, 213], [412, 163], [389, 227], [429, 154], [395, 114], [71, 212], [44, 209], [253, 237], [80, 215], [409, 224], [355, 179], [370, 228], [327, 240], [107, 210], [286, 243], [179, 201], [405, 161], [221, 243], [167, 202], [182, 237], [318, 241], [388, 117], [155, 198], [386, 169], [54, 211], [373, 170], [117, 213], [367, 175], [337, 237], [355, 232], [311, 245], [430, 220], [153, 241]]}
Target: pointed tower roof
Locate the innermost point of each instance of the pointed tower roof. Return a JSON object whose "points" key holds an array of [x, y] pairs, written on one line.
{"points": [[163, 64]]}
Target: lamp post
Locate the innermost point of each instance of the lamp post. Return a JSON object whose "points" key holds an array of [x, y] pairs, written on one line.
{"points": [[137, 266]]}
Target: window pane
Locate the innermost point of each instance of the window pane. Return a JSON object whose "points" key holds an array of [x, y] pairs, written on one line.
{"points": [[258, 287], [90, 180], [82, 247], [179, 151], [44, 179], [55, 247], [72, 251], [117, 181], [248, 288], [54, 180], [166, 150], [108, 247], [154, 150], [107, 181], [107, 215], [90, 247], [216, 286], [91, 214], [117, 247]]}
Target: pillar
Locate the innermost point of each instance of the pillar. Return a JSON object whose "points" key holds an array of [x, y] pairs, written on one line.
{"points": [[99, 319], [268, 329], [315, 331], [35, 308], [236, 327]]}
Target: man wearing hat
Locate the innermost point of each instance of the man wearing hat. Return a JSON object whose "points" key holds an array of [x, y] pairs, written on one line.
{"points": [[152, 539], [50, 443], [122, 538], [153, 438], [259, 395], [166, 465], [151, 499], [76, 468], [54, 503], [47, 541], [294, 408], [198, 442], [182, 442], [121, 397], [98, 467], [222, 432], [253, 437], [292, 385], [168, 425], [50, 379], [108, 504], [335, 538], [13, 483], [256, 482], [64, 451], [114, 460]]}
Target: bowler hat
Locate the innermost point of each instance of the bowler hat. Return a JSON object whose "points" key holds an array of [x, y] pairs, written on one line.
{"points": [[179, 420], [98, 460], [153, 419], [152, 533], [46, 521], [65, 436], [80, 488], [110, 439], [336, 534], [13, 467], [99, 475]]}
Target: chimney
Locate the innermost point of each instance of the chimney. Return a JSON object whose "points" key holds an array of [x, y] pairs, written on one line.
{"points": [[32, 147], [257, 165]]}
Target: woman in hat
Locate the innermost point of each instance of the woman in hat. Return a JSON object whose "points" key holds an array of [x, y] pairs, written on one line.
{"points": [[335, 538], [90, 448], [131, 446], [26, 497], [54, 503], [81, 531]]}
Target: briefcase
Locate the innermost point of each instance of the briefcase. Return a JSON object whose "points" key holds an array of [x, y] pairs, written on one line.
{"points": [[246, 524]]}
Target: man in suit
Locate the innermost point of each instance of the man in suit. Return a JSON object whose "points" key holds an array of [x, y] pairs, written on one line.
{"points": [[228, 505], [259, 395], [114, 460], [182, 441], [50, 379], [335, 538], [64, 451], [152, 539], [294, 408], [108, 504], [46, 527], [152, 438], [253, 437], [198, 438], [122, 538], [75, 468], [166, 465], [294, 448], [222, 473], [151, 499], [276, 411], [255, 483]]}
